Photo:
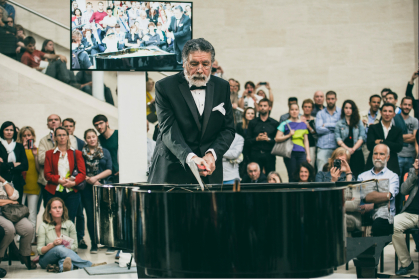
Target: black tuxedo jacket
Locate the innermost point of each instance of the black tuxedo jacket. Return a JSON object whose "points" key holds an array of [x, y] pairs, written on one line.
{"points": [[394, 141], [182, 32], [184, 131]]}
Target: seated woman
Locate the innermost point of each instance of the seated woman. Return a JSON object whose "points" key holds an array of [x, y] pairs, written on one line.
{"points": [[335, 174], [57, 239], [98, 169], [58, 170], [274, 177], [9, 195], [305, 173], [151, 38], [132, 39]]}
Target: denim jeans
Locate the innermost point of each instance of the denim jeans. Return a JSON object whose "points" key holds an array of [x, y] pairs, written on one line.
{"points": [[71, 201], [323, 156], [58, 254], [32, 205], [229, 182], [87, 200]]}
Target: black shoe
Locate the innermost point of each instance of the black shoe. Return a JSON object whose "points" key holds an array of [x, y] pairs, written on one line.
{"points": [[2, 273], [405, 270], [82, 244], [93, 250]]}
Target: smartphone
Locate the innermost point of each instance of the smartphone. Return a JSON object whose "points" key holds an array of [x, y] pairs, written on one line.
{"points": [[249, 91], [262, 83], [337, 163], [30, 144]]}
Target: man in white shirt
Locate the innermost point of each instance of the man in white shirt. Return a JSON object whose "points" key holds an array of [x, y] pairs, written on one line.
{"points": [[109, 20]]}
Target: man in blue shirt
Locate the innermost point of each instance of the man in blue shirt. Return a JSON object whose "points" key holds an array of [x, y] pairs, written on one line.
{"points": [[383, 218], [9, 8], [326, 120]]}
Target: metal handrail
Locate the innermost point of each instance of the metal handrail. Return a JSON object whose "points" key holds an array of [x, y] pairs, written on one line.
{"points": [[38, 14]]}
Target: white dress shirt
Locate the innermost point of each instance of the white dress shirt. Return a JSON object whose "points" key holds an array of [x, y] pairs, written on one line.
{"points": [[385, 129], [199, 98], [63, 168]]}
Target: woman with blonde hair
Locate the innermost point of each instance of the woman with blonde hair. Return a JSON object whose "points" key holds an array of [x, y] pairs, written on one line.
{"points": [[57, 239], [31, 189], [241, 129], [58, 170], [334, 173]]}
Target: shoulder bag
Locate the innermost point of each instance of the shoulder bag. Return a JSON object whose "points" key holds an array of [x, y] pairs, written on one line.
{"points": [[82, 185], [15, 212], [283, 149]]}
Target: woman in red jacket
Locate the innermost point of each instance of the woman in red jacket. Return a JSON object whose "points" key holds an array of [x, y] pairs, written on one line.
{"points": [[58, 168]]}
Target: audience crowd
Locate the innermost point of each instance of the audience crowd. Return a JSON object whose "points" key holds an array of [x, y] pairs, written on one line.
{"points": [[15, 44], [325, 141], [163, 25]]}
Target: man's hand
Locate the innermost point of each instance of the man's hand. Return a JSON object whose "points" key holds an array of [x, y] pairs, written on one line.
{"points": [[378, 141], [209, 158], [366, 208], [234, 105], [260, 137], [16, 164], [200, 161], [415, 165], [414, 77]]}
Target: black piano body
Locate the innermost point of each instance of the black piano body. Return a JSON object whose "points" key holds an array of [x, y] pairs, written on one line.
{"points": [[265, 230], [137, 59]]}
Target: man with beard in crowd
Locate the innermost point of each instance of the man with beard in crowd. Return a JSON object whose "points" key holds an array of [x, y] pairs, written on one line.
{"points": [[383, 218], [195, 118], [261, 134], [326, 120]]}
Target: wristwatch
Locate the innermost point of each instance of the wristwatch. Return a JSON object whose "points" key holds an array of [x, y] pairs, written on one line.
{"points": [[389, 195]]}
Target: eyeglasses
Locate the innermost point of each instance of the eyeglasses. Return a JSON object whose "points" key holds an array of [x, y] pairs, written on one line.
{"points": [[10, 21]]}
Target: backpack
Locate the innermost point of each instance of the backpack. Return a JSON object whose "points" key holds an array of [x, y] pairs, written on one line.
{"points": [[75, 63]]}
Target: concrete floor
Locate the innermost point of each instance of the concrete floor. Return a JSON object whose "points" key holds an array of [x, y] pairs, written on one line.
{"points": [[17, 270]]}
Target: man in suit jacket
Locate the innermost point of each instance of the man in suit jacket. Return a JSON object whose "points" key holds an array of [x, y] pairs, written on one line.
{"points": [[180, 25], [386, 133], [195, 120]]}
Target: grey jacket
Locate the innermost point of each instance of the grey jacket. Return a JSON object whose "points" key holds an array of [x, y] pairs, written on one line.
{"points": [[410, 187]]}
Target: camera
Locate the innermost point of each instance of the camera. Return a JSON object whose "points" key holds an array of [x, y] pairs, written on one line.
{"points": [[262, 83], [337, 163]]}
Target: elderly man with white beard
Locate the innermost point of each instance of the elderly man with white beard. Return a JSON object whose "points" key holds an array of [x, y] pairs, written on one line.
{"points": [[383, 216], [195, 119]]}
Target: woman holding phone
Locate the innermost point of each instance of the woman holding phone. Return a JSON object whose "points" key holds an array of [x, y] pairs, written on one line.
{"points": [[31, 189]]}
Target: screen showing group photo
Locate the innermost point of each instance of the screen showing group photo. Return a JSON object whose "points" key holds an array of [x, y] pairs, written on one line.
{"points": [[129, 35]]}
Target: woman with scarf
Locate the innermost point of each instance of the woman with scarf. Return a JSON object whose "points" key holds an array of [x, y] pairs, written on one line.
{"points": [[13, 160], [98, 170]]}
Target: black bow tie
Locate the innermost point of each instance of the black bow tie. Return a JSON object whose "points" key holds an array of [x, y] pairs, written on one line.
{"points": [[195, 87]]}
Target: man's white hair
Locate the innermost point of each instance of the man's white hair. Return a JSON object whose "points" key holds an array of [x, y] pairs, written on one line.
{"points": [[254, 163], [388, 149]]}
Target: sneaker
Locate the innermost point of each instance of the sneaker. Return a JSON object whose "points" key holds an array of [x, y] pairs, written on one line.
{"points": [[405, 270], [93, 250], [110, 251], [82, 244], [67, 264], [117, 255]]}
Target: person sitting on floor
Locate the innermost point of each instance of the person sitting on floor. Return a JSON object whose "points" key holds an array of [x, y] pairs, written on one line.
{"points": [[57, 239]]}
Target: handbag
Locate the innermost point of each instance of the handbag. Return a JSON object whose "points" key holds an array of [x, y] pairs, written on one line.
{"points": [[82, 185], [283, 149], [15, 212]]}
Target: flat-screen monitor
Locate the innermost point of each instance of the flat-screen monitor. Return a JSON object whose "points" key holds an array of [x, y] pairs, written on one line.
{"points": [[129, 35]]}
